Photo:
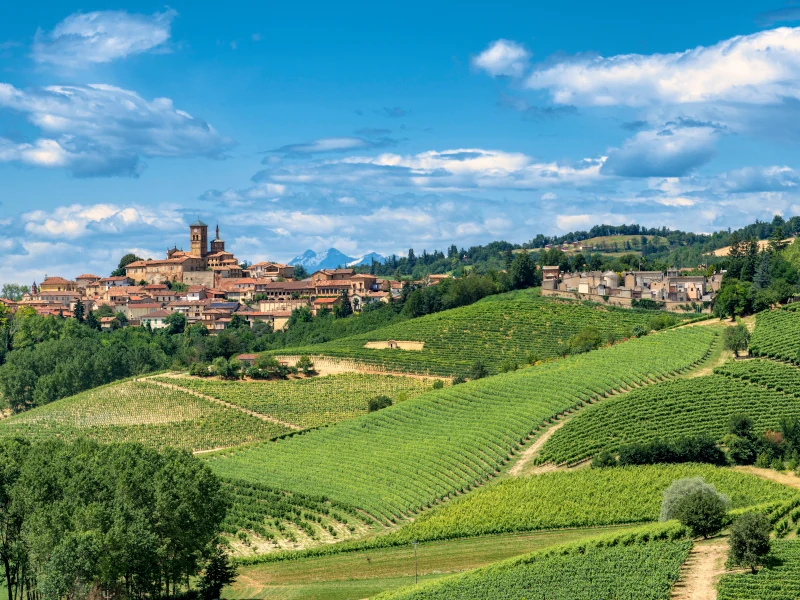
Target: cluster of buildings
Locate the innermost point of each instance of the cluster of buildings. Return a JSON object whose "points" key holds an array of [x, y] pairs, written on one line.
{"points": [[670, 287], [214, 287]]}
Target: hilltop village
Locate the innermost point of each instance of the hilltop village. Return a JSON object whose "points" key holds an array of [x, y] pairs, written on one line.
{"points": [[209, 285]]}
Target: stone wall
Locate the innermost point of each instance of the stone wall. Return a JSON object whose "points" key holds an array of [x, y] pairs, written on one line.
{"points": [[205, 278]]}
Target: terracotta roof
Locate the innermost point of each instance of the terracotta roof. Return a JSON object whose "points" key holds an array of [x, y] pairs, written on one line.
{"points": [[54, 280], [325, 300], [87, 276], [61, 293], [107, 319], [145, 305], [117, 278], [157, 314], [155, 286], [195, 288], [247, 356]]}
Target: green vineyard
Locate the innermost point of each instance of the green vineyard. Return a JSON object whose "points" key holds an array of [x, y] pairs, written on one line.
{"points": [[308, 402], [622, 571], [409, 456], [673, 409], [780, 580], [493, 331], [139, 411], [777, 334], [770, 374], [581, 498]]}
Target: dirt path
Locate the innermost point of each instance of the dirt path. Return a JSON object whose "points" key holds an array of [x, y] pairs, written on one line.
{"points": [[530, 453], [788, 479], [169, 386], [701, 571]]}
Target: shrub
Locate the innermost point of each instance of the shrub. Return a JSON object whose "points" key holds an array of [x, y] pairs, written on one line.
{"points": [[508, 365], [478, 370], [662, 321], [304, 363], [763, 461], [458, 379], [438, 384], [777, 464], [604, 459], [699, 448], [379, 402], [749, 542], [585, 340], [639, 331]]}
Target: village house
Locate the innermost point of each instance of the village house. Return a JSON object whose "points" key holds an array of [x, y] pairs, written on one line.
{"points": [[108, 282], [55, 284], [81, 281], [271, 271], [156, 320]]}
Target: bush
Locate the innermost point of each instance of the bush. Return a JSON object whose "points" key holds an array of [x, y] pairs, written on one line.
{"points": [[508, 365], [585, 340], [379, 402], [304, 363], [603, 460], [199, 369], [737, 339], [749, 542], [763, 461], [777, 464], [438, 384], [639, 331], [458, 379], [478, 370], [662, 321]]}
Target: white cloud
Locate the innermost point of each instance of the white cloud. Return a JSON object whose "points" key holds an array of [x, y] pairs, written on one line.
{"points": [[457, 169], [760, 179], [83, 39], [665, 153], [77, 220], [503, 58], [548, 196], [761, 68], [584, 221], [103, 130]]}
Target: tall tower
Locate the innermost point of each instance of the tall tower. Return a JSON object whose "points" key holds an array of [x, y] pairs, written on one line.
{"points": [[217, 245], [198, 232]]}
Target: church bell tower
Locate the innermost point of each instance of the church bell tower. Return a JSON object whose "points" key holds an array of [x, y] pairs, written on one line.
{"points": [[198, 233]]}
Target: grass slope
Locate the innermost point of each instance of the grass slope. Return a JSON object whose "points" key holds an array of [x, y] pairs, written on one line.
{"points": [[308, 402], [138, 411], [632, 571], [581, 498], [505, 327], [667, 410], [409, 456], [357, 575]]}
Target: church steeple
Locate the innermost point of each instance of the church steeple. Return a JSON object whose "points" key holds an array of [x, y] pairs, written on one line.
{"points": [[217, 245]]}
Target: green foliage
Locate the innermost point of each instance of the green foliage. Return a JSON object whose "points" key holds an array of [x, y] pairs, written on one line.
{"points": [[604, 460], [681, 408], [478, 370], [682, 495], [702, 511], [735, 299], [580, 498], [141, 411], [379, 402], [494, 330], [118, 516], [450, 440], [124, 262], [307, 402], [217, 574], [778, 580], [305, 364], [638, 571], [737, 338], [523, 272], [176, 323], [750, 540], [13, 291], [585, 340], [777, 334], [699, 449]]}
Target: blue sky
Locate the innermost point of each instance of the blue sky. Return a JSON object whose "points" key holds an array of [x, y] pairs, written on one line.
{"points": [[379, 127]]}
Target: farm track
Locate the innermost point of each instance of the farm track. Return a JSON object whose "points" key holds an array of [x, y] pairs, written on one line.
{"points": [[714, 358], [223, 403], [701, 571], [789, 479]]}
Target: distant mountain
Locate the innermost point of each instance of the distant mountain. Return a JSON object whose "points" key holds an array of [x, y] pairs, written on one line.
{"points": [[332, 258]]}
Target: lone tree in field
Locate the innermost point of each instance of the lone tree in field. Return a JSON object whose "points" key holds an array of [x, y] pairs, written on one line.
{"points": [[749, 542], [696, 504], [737, 339]]}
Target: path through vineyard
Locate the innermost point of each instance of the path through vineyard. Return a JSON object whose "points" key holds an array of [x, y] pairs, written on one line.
{"points": [[701, 571], [785, 478], [530, 453], [223, 403]]}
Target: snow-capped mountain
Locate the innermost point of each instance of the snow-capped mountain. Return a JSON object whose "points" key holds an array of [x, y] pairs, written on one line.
{"points": [[332, 258]]}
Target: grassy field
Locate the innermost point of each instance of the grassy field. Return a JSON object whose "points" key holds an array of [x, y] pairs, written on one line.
{"points": [[409, 456], [507, 327], [635, 570], [667, 410], [580, 498], [355, 575], [140, 411], [308, 402]]}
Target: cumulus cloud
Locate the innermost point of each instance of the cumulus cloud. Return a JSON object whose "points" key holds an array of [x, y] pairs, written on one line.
{"points": [[101, 130], [78, 220], [760, 179], [761, 68], [664, 153], [503, 58], [83, 39]]}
